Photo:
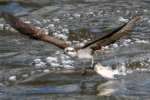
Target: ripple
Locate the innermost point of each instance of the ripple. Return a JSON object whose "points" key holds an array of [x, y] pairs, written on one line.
{"points": [[130, 54], [7, 55]]}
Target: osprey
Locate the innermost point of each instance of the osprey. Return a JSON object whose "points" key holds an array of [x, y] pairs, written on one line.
{"points": [[84, 51]]}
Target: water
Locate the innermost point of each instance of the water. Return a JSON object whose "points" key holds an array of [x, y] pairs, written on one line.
{"points": [[27, 65]]}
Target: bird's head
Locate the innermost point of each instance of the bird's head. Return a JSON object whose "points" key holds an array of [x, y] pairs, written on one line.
{"points": [[71, 51]]}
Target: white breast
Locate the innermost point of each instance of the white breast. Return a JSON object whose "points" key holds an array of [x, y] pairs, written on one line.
{"points": [[84, 53], [71, 51]]}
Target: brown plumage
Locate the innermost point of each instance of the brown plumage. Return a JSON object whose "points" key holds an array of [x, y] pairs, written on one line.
{"points": [[39, 34], [113, 36], [32, 31]]}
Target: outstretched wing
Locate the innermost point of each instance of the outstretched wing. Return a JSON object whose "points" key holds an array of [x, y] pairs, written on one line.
{"points": [[32, 31], [112, 36], [39, 34]]}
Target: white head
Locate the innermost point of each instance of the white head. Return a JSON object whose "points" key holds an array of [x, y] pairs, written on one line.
{"points": [[71, 51]]}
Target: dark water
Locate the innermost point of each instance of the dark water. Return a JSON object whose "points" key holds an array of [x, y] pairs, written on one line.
{"points": [[21, 79]]}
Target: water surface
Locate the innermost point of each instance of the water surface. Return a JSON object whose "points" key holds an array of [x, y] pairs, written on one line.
{"points": [[21, 78]]}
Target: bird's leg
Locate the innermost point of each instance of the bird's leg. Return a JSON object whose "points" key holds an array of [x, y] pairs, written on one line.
{"points": [[4, 26], [92, 62], [91, 67]]}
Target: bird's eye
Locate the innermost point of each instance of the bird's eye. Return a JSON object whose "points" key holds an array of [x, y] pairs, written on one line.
{"points": [[67, 50]]}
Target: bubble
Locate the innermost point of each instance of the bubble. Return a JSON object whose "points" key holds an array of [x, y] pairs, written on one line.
{"points": [[121, 19], [46, 71], [148, 60], [76, 15], [148, 21], [126, 42], [71, 18], [61, 36], [51, 25], [145, 10], [118, 11], [141, 41], [25, 75], [27, 22], [123, 69], [1, 26], [36, 61], [55, 64], [12, 78], [51, 59], [136, 11], [56, 19], [40, 65], [37, 22], [67, 62], [57, 52], [105, 47], [127, 12], [38, 27], [115, 45], [90, 13], [65, 30], [68, 66]]}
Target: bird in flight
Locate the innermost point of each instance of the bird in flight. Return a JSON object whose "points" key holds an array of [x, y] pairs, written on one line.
{"points": [[85, 51]]}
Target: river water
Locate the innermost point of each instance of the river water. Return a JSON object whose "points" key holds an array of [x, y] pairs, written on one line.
{"points": [[25, 63]]}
